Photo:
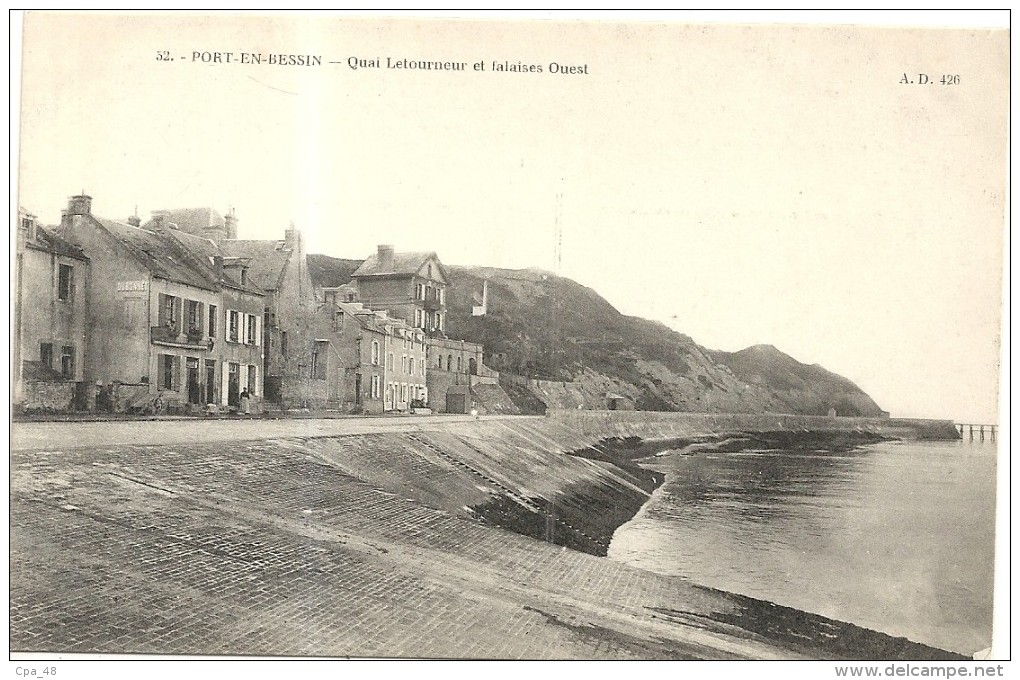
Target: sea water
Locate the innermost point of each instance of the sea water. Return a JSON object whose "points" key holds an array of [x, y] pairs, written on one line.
{"points": [[896, 536]]}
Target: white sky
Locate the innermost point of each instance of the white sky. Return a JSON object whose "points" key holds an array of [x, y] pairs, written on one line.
{"points": [[743, 184]]}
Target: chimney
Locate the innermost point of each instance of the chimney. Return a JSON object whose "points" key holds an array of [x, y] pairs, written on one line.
{"points": [[135, 221], [482, 309], [385, 255], [230, 223], [158, 221], [77, 207], [218, 267], [292, 237]]}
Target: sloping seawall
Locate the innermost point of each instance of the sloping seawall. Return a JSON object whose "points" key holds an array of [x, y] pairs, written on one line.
{"points": [[389, 537]]}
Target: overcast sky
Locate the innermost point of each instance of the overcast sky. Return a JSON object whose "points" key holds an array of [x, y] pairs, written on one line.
{"points": [[742, 184]]}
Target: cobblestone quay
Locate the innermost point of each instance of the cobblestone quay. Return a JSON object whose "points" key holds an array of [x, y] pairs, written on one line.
{"points": [[348, 538]]}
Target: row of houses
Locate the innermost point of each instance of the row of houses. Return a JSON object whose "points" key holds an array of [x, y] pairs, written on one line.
{"points": [[178, 313]]}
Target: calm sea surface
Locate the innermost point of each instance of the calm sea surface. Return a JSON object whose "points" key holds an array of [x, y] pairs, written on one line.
{"points": [[897, 537]]}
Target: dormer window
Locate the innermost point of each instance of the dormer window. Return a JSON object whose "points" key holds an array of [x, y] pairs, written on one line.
{"points": [[244, 276]]}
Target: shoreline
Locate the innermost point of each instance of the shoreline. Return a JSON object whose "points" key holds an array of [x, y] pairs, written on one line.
{"points": [[758, 606]]}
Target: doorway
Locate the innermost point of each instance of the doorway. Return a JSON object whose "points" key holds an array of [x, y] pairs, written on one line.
{"points": [[194, 385]]}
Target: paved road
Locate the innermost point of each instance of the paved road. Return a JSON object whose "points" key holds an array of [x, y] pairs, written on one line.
{"points": [[60, 435], [259, 548]]}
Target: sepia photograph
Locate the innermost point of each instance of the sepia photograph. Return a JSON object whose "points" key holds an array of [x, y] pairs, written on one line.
{"points": [[494, 337]]}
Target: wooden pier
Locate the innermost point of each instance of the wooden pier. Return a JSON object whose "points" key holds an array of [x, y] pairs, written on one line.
{"points": [[981, 429]]}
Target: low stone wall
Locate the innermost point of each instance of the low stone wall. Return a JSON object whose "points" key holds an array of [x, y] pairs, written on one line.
{"points": [[439, 383], [490, 398], [655, 424], [47, 395]]}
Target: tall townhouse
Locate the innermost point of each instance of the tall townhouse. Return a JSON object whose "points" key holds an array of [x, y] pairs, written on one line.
{"points": [[409, 286], [167, 310], [300, 360], [393, 368], [51, 319]]}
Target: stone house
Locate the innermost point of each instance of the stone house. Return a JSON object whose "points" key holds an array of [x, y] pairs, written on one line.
{"points": [[50, 320], [167, 311], [291, 326], [409, 286], [300, 363]]}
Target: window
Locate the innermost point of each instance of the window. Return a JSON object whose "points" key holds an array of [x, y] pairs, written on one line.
{"points": [[389, 361], [67, 362], [439, 321], [283, 342], [459, 364], [338, 320], [440, 361], [65, 282], [46, 354], [403, 363], [194, 317], [169, 309], [350, 297], [403, 392], [234, 325], [168, 371], [449, 362], [253, 326], [212, 321], [375, 387], [421, 367], [375, 352], [244, 276]]}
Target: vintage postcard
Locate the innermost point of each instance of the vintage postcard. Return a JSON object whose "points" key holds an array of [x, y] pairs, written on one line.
{"points": [[488, 337]]}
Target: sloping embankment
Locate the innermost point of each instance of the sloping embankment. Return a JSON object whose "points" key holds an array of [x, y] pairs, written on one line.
{"points": [[570, 478], [369, 538]]}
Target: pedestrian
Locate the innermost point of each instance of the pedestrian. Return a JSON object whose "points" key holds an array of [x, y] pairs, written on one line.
{"points": [[245, 399]]}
